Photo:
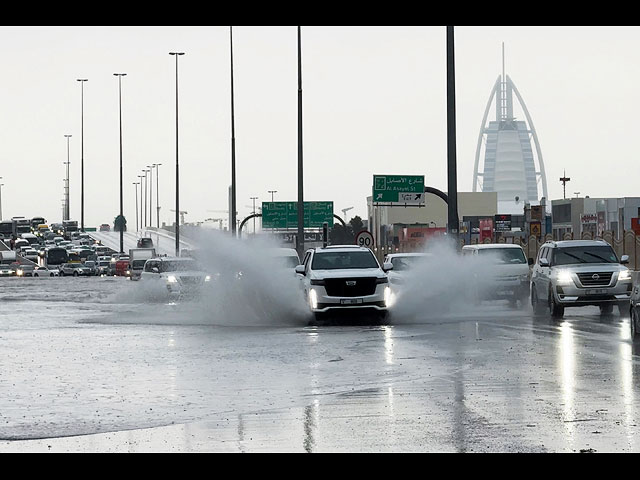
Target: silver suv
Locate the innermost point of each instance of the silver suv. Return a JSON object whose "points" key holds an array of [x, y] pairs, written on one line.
{"points": [[575, 273], [344, 278]]}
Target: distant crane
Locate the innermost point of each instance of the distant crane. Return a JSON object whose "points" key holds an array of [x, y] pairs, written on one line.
{"points": [[344, 212], [182, 214], [215, 220]]}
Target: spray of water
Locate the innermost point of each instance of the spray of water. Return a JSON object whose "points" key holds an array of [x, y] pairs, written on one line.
{"points": [[250, 286], [446, 285]]}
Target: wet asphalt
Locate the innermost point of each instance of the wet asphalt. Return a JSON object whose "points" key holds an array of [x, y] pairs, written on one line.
{"points": [[88, 367]]}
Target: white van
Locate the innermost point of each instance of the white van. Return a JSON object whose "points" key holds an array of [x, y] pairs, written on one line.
{"points": [[504, 275]]}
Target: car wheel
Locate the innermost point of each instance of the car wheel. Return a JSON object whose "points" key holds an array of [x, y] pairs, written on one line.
{"points": [[49, 275], [35, 274], [633, 323], [556, 311], [606, 309], [536, 305], [61, 273], [75, 274]]}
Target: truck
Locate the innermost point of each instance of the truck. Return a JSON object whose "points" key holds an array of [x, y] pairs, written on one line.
{"points": [[137, 259], [20, 225], [7, 257], [6, 230], [69, 227]]}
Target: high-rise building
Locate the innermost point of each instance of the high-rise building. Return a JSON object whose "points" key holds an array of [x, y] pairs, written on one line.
{"points": [[509, 165]]}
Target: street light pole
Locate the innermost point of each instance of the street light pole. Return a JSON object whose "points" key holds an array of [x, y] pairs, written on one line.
{"points": [[145, 197], [120, 75], [158, 193], [272, 192], [68, 211], [254, 212], [140, 177], [136, 185], [300, 236], [177, 54], [452, 186], [82, 80], [1, 185], [232, 207]]}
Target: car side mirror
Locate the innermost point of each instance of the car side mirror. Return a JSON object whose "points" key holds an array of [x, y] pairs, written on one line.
{"points": [[387, 266], [544, 262], [624, 259], [300, 269], [531, 262], [155, 270]]}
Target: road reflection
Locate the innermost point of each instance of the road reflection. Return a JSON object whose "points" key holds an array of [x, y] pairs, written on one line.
{"points": [[566, 365]]}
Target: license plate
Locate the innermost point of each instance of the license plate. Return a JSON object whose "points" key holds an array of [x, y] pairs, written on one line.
{"points": [[596, 291], [350, 301]]}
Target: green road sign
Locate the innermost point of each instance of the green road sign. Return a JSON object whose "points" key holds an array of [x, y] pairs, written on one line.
{"points": [[398, 189], [285, 214]]}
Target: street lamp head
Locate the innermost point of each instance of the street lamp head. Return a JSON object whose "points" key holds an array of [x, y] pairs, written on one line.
{"points": [[119, 74], [68, 136], [176, 53], [82, 79]]}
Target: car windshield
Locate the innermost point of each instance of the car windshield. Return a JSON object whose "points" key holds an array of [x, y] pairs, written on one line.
{"points": [[504, 255], [179, 266], [340, 260], [289, 261], [405, 263], [591, 254]]}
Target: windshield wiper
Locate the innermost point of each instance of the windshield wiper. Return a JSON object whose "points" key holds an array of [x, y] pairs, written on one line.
{"points": [[582, 260], [598, 256]]}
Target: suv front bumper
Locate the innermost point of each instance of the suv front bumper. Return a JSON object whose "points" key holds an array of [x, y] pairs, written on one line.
{"points": [[324, 303], [567, 295]]}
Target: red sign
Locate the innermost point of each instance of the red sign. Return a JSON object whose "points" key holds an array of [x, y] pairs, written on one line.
{"points": [[635, 225], [486, 229]]}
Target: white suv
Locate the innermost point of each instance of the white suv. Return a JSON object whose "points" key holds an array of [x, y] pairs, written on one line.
{"points": [[181, 276], [575, 273], [344, 278]]}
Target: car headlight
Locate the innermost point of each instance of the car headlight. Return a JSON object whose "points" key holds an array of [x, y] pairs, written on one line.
{"points": [[313, 298], [172, 279], [624, 275], [387, 296], [563, 277], [207, 278], [19, 273]]}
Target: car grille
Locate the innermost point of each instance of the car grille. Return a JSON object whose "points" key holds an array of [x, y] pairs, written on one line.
{"points": [[337, 287], [190, 280], [601, 279]]}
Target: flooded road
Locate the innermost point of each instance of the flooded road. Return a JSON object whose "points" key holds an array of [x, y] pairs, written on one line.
{"points": [[87, 365]]}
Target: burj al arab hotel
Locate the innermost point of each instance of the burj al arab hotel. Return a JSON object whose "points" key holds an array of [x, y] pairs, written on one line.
{"points": [[509, 166]]}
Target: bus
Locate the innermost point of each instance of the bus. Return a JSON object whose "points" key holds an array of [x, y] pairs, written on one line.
{"points": [[54, 257], [37, 221], [6, 229]]}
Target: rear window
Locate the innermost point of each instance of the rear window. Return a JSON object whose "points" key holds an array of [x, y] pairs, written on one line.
{"points": [[503, 255]]}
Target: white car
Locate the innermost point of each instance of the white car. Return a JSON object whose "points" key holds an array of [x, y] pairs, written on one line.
{"points": [[402, 263], [46, 272], [345, 278], [287, 257], [182, 276], [31, 254], [501, 272]]}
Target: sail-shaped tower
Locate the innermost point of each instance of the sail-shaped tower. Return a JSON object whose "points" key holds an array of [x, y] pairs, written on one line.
{"points": [[509, 166]]}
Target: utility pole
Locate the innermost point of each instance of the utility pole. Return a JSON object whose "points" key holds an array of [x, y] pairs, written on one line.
{"points": [[177, 230], [564, 179], [82, 80], [158, 193], [122, 222], [67, 212], [452, 187]]}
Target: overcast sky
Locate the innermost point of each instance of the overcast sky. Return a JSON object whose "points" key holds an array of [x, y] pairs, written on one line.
{"points": [[374, 102]]}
